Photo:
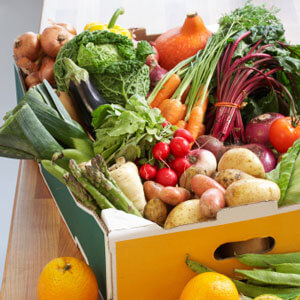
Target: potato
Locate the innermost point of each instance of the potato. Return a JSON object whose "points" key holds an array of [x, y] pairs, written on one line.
{"points": [[201, 183], [152, 189], [174, 195], [251, 190], [156, 211], [211, 201], [187, 212], [227, 176], [186, 177], [244, 160]]}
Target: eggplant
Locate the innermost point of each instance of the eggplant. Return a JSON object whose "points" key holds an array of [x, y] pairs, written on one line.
{"points": [[82, 90]]}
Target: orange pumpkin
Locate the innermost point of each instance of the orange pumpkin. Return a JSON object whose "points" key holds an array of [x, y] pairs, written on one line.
{"points": [[180, 43]]}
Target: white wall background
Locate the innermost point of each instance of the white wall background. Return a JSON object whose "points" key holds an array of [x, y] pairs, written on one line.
{"points": [[18, 16]]}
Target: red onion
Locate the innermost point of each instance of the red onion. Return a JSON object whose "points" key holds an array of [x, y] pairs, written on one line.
{"points": [[156, 74], [265, 155], [257, 130]]}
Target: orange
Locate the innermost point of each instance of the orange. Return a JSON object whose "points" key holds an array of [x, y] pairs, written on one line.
{"points": [[267, 297], [67, 278], [210, 285]]}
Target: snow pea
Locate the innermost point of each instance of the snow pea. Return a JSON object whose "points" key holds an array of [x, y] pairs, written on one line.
{"points": [[287, 268], [265, 260], [271, 278]]}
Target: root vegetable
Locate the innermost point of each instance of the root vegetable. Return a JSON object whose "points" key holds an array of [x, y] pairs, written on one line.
{"points": [[156, 211], [174, 195], [26, 65], [127, 177], [32, 79], [211, 202], [152, 189], [204, 159], [244, 160], [251, 190], [186, 177], [257, 130], [47, 70], [187, 212], [67, 26], [53, 38], [211, 144], [166, 177], [27, 45], [201, 183], [265, 155], [228, 176]]}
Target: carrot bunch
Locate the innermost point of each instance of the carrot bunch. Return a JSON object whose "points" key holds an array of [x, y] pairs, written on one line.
{"points": [[178, 102]]}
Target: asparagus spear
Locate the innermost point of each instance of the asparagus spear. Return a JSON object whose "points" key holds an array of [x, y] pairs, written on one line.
{"points": [[66, 178], [81, 194], [115, 195], [101, 200], [100, 164]]}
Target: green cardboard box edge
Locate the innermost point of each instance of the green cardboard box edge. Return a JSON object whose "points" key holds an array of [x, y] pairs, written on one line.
{"points": [[82, 225]]}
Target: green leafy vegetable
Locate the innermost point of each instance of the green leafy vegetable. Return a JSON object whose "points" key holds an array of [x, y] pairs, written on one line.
{"points": [[131, 131], [116, 68], [287, 176]]}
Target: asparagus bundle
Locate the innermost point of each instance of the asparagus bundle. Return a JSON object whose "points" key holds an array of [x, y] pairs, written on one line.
{"points": [[92, 184]]}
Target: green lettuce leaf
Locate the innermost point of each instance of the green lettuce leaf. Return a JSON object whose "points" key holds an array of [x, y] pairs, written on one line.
{"points": [[287, 175]]}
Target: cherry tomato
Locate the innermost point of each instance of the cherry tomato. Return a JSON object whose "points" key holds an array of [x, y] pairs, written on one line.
{"points": [[184, 134], [161, 150], [166, 177], [165, 123], [282, 134], [180, 147], [148, 171], [180, 164]]}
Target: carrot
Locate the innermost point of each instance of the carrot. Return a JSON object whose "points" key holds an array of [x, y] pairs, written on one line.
{"points": [[185, 93], [166, 91], [202, 130], [183, 111], [172, 111], [205, 100], [181, 124], [163, 104], [195, 121]]}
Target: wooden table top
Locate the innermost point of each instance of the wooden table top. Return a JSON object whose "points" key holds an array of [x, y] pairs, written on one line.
{"points": [[37, 235]]}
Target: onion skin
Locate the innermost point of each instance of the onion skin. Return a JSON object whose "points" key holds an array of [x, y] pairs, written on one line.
{"points": [[53, 38], [211, 144], [47, 70], [27, 45], [69, 27], [32, 79], [265, 155], [257, 130], [27, 65]]}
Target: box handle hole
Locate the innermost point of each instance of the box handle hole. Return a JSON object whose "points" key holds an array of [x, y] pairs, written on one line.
{"points": [[255, 245]]}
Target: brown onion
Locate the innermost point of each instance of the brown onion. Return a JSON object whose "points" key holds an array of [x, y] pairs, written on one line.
{"points": [[32, 79], [27, 65], [53, 38], [27, 45], [47, 70], [68, 26]]}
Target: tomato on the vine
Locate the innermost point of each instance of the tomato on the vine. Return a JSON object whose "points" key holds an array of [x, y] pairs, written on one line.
{"points": [[283, 134]]}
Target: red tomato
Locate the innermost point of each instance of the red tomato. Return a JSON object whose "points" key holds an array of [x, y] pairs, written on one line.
{"points": [[282, 134], [148, 171], [184, 134], [180, 147], [166, 177], [161, 151]]}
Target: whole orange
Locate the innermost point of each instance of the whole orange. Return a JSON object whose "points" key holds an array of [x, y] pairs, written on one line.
{"points": [[67, 278], [210, 285]]}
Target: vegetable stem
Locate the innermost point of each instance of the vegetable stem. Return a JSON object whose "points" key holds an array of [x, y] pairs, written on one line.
{"points": [[113, 20]]}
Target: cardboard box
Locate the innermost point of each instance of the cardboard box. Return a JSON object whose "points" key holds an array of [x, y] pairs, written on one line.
{"points": [[136, 259]]}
